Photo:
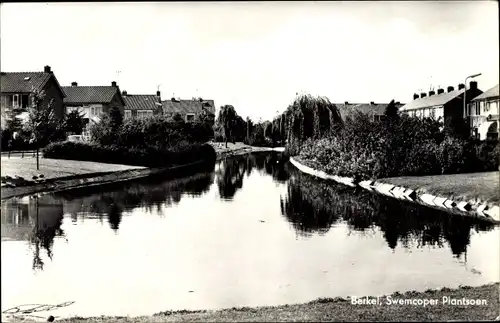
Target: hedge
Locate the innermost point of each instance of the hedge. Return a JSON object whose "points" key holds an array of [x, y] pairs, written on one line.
{"points": [[180, 154]]}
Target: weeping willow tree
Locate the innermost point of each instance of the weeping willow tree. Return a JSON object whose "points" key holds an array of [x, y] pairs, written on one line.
{"points": [[309, 117]]}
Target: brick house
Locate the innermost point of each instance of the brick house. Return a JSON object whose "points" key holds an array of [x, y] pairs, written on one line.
{"points": [[447, 106], [376, 111], [16, 88], [142, 105], [483, 114], [188, 109], [93, 101]]}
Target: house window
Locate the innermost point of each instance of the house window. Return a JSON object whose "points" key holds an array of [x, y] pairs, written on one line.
{"points": [[128, 114], [15, 101], [189, 117], [92, 111], [144, 113]]}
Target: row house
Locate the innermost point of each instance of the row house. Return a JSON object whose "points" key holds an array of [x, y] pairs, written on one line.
{"points": [[447, 106], [189, 110], [375, 111], [142, 105], [16, 89], [93, 101], [483, 114]]}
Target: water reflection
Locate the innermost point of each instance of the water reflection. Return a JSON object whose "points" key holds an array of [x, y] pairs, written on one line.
{"points": [[313, 206], [37, 220], [231, 171]]}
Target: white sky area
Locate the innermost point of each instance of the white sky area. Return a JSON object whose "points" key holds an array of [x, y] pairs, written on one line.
{"points": [[257, 56]]}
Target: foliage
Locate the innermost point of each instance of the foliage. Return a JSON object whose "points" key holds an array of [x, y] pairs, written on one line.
{"points": [[391, 111], [74, 122], [404, 146], [309, 117], [179, 154], [42, 124]]}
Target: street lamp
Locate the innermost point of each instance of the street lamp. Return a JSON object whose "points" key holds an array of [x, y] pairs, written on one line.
{"points": [[465, 91]]}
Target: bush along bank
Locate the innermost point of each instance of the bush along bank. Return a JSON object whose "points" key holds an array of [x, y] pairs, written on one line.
{"points": [[153, 142]]}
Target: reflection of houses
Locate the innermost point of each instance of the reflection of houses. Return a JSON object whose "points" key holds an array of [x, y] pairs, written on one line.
{"points": [[93, 101], [483, 114], [188, 109], [142, 105], [16, 88], [376, 111], [447, 105]]}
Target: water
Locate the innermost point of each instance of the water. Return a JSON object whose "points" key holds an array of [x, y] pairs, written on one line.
{"points": [[252, 232]]}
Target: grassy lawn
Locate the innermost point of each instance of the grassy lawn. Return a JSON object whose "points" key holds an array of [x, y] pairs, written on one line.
{"points": [[53, 168], [461, 187], [342, 310]]}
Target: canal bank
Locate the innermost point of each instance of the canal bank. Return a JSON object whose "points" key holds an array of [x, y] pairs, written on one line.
{"points": [[480, 206], [60, 175], [462, 304]]}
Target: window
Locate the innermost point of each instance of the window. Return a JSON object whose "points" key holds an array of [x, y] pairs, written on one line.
{"points": [[189, 117], [144, 113], [128, 114], [15, 100], [92, 111]]}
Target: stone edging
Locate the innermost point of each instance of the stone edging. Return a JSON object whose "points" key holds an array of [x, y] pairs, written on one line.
{"points": [[486, 212], [108, 178]]}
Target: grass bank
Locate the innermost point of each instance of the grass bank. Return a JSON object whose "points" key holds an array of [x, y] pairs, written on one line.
{"points": [[458, 187], [342, 310]]}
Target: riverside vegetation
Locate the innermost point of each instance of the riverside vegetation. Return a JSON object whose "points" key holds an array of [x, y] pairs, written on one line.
{"points": [[399, 145]]}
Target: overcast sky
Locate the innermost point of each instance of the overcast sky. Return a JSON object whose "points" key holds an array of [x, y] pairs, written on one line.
{"points": [[257, 56]]}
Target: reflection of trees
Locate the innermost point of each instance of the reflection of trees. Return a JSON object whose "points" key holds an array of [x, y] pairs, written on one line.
{"points": [[233, 170], [148, 194], [37, 220], [313, 206]]}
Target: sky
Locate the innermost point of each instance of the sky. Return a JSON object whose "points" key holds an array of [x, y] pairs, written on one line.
{"points": [[257, 56]]}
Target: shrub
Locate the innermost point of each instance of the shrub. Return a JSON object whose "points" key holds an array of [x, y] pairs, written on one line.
{"points": [[182, 153], [456, 156]]}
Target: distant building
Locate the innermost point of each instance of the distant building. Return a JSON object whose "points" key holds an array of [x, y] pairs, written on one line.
{"points": [[142, 105], [93, 101], [376, 111], [483, 114], [188, 109], [16, 89], [445, 105]]}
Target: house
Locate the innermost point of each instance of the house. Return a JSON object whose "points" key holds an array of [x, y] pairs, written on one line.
{"points": [[16, 88], [376, 111], [93, 101], [188, 109], [142, 105], [447, 106], [483, 114]]}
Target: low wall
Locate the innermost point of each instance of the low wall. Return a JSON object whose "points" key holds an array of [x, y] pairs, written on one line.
{"points": [[480, 210], [88, 180]]}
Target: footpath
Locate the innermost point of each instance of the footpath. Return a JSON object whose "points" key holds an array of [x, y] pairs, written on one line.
{"points": [[20, 176], [475, 195]]}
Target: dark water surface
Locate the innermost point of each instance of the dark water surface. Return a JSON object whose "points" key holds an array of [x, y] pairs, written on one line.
{"points": [[252, 232]]}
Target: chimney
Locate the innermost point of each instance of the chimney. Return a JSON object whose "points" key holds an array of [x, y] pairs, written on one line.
{"points": [[158, 93], [461, 86], [47, 69], [423, 95], [440, 91], [372, 103], [124, 93], [450, 88], [74, 84], [431, 93], [415, 96], [397, 103], [346, 102], [113, 84], [473, 85]]}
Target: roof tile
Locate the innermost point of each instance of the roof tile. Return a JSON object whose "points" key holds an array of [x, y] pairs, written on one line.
{"points": [[89, 94], [140, 102], [23, 82], [491, 93]]}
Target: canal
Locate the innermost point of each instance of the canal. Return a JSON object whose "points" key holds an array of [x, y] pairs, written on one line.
{"points": [[254, 231]]}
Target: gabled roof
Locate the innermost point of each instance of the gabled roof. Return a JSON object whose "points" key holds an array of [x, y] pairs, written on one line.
{"points": [[366, 108], [188, 106], [491, 93], [141, 102], [90, 94], [25, 82], [433, 100]]}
